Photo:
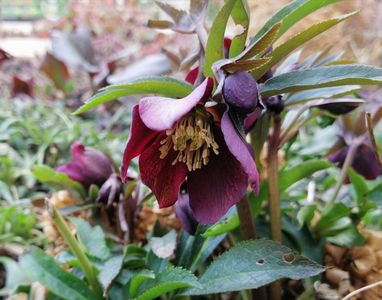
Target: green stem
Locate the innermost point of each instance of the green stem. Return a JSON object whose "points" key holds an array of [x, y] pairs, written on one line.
{"points": [[274, 194], [76, 249], [344, 171]]}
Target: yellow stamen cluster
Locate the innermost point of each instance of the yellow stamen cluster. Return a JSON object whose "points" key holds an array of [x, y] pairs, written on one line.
{"points": [[193, 139]]}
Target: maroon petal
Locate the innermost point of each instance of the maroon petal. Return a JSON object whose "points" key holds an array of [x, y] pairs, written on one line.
{"points": [[163, 178], [217, 186], [140, 138], [240, 149], [192, 75], [161, 113]]}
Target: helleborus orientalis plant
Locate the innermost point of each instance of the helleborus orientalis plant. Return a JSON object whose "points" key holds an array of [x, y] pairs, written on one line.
{"points": [[199, 144]]}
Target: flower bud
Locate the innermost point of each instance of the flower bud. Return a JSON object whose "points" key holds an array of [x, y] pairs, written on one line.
{"points": [[88, 165], [240, 91], [184, 213], [110, 190]]}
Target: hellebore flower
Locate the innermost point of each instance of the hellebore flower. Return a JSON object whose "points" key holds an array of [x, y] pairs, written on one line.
{"points": [[365, 162], [110, 191], [187, 141], [88, 165]]}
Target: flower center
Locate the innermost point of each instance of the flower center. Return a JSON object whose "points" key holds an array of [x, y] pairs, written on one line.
{"points": [[192, 138]]}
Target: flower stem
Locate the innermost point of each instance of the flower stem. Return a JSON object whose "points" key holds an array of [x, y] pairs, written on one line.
{"points": [[274, 194], [76, 248], [247, 226]]}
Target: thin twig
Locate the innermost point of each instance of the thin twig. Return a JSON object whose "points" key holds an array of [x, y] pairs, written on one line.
{"points": [[247, 226], [370, 126], [344, 171], [365, 288]]}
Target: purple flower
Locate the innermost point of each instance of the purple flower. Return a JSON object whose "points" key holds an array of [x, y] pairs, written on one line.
{"points": [[88, 165], [365, 162], [186, 141]]}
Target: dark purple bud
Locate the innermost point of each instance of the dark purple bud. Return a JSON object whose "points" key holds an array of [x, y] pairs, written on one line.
{"points": [[241, 92], [365, 162], [341, 106], [275, 104], [110, 191], [184, 213], [88, 165]]}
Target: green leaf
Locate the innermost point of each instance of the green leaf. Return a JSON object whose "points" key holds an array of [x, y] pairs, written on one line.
{"points": [[360, 186], [240, 15], [296, 41], [158, 85], [167, 281], [92, 238], [306, 214], [330, 92], [138, 279], [48, 175], [252, 264], [42, 267], [333, 213], [347, 238], [321, 77], [14, 276], [110, 271], [291, 14], [214, 48], [301, 171]]}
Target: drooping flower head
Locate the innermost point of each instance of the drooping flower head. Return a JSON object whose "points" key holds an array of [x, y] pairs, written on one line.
{"points": [[189, 141], [88, 165]]}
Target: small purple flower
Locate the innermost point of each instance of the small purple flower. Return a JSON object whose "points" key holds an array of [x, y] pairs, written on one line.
{"points": [[88, 165], [185, 141]]}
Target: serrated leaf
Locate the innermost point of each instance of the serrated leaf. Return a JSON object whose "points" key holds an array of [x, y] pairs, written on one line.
{"points": [[47, 175], [263, 43], [214, 48], [304, 96], [245, 65], [167, 281], [240, 15], [158, 85], [92, 238], [41, 267], [252, 264], [291, 14], [327, 76], [296, 41]]}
